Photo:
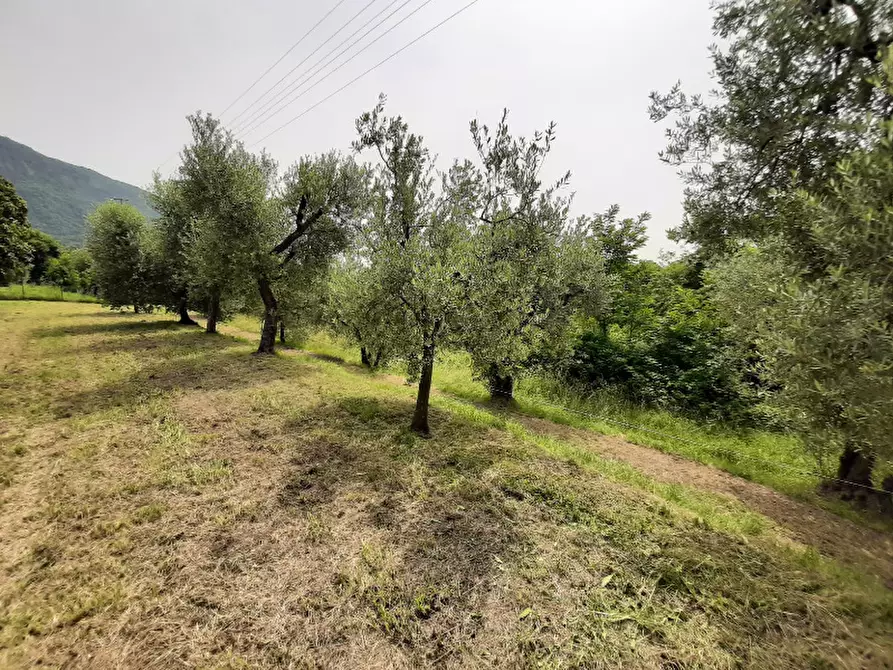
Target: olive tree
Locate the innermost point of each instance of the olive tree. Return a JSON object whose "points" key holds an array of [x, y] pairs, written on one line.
{"points": [[301, 291], [418, 246], [531, 268], [319, 201], [360, 308], [119, 242], [176, 229], [228, 191], [825, 328]]}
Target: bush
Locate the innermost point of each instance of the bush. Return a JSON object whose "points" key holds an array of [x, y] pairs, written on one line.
{"points": [[680, 359]]}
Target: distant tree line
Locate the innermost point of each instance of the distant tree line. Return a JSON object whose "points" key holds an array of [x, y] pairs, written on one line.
{"points": [[29, 255]]}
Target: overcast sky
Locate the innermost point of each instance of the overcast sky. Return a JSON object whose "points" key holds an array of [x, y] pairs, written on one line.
{"points": [[107, 84]]}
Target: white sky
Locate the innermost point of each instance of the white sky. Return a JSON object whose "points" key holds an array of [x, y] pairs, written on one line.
{"points": [[107, 83]]}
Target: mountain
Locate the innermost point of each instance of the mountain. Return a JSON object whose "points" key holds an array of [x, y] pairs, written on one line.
{"points": [[59, 194]]}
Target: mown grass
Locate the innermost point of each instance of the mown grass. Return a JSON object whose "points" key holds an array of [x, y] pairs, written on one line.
{"points": [[41, 292], [774, 459], [171, 500], [778, 460]]}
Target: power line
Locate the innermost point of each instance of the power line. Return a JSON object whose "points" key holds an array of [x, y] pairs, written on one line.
{"points": [[313, 70], [371, 69], [290, 49], [167, 160], [267, 71], [253, 124], [306, 58], [307, 78]]}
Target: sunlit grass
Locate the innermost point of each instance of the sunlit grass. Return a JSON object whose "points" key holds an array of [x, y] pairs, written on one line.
{"points": [[773, 459], [778, 460], [40, 292], [163, 480]]}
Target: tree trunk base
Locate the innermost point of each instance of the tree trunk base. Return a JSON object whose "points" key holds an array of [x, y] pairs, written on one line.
{"points": [[421, 428], [271, 318], [502, 388], [185, 319], [419, 423], [213, 314], [267, 336], [854, 483]]}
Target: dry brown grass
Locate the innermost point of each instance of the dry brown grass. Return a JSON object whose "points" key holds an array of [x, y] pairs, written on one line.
{"points": [[169, 500]]}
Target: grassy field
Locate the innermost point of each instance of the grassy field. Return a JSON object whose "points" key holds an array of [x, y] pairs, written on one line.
{"points": [[169, 500], [39, 292], [779, 461]]}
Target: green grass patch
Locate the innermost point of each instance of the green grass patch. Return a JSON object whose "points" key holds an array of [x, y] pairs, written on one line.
{"points": [[774, 459], [41, 292], [163, 480]]}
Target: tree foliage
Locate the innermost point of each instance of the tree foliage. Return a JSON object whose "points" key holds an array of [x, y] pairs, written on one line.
{"points": [[72, 270], [227, 191], [530, 268], [120, 243], [360, 308], [15, 252], [175, 230], [43, 250], [825, 327], [664, 343], [312, 218], [793, 88]]}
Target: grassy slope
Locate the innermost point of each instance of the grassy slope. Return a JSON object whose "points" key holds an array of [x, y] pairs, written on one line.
{"points": [[775, 460], [169, 499], [50, 293]]}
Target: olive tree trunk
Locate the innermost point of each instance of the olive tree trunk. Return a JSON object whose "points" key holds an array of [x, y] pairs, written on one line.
{"points": [[855, 466], [281, 331], [213, 313], [370, 358], [185, 319], [502, 387], [420, 416], [271, 317]]}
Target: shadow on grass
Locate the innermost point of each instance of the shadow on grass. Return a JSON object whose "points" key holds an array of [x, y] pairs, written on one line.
{"points": [[445, 521], [117, 327], [105, 313], [188, 361], [172, 340]]}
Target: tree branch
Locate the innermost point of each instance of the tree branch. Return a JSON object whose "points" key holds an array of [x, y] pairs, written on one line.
{"points": [[297, 232], [301, 227]]}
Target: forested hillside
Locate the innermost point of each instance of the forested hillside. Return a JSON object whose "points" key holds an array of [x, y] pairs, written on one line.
{"points": [[59, 194]]}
